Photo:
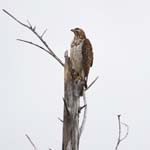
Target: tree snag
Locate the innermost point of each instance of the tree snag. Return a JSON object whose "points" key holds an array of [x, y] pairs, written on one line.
{"points": [[71, 108], [72, 92]]}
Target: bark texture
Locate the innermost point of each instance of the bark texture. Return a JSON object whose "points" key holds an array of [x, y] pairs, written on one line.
{"points": [[72, 89]]}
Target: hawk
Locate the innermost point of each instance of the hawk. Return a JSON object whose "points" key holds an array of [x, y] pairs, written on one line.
{"points": [[81, 54]]}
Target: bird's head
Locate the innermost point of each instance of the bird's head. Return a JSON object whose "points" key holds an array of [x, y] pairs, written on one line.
{"points": [[78, 32]]}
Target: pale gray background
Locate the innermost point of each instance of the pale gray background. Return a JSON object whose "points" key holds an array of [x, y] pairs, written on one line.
{"points": [[31, 81]]}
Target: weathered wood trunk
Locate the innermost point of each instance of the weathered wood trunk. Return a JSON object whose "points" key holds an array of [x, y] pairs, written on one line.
{"points": [[71, 108]]}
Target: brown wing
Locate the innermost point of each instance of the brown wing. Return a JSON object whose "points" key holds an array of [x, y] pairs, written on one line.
{"points": [[87, 54]]}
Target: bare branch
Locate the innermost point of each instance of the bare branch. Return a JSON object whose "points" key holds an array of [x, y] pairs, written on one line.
{"points": [[119, 134], [92, 83], [84, 115], [39, 37], [15, 18], [29, 42], [120, 131], [35, 148]]}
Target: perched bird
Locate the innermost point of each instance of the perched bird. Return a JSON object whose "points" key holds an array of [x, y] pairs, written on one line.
{"points": [[81, 55]]}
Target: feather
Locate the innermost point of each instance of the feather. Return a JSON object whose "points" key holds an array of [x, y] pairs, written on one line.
{"points": [[87, 55]]}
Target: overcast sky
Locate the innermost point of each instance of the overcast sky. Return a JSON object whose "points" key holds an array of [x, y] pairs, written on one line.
{"points": [[31, 81]]}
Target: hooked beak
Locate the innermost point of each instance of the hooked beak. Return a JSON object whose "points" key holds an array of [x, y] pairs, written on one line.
{"points": [[72, 30]]}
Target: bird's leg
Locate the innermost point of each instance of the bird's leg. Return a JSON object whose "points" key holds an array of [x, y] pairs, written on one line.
{"points": [[75, 74], [79, 80], [78, 77]]}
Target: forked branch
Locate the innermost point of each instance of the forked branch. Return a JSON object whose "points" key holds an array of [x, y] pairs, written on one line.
{"points": [[120, 139], [40, 37]]}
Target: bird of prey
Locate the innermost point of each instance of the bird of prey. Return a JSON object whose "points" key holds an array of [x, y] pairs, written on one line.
{"points": [[81, 54]]}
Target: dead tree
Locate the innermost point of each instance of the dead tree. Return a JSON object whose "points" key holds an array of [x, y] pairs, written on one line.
{"points": [[71, 108], [120, 139], [72, 87]]}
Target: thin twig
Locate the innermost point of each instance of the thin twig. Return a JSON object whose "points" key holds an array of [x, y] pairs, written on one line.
{"points": [[35, 148], [34, 28], [127, 132], [92, 83], [43, 33], [84, 115], [120, 131], [31, 43], [31, 28], [60, 120], [29, 23], [82, 108], [85, 104]]}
